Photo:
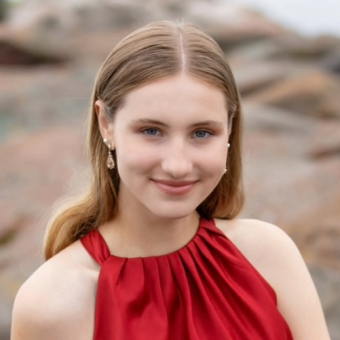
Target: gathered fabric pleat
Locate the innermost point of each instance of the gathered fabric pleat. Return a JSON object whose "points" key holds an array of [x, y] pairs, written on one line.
{"points": [[205, 290]]}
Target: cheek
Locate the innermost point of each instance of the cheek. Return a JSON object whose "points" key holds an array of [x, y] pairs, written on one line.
{"points": [[134, 157], [216, 159]]}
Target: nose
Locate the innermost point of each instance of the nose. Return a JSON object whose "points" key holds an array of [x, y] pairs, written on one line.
{"points": [[176, 161]]}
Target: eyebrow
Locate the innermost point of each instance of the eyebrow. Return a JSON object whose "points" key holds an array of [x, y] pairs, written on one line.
{"points": [[212, 123]]}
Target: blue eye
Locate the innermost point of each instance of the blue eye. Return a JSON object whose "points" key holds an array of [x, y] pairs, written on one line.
{"points": [[151, 132], [202, 134]]}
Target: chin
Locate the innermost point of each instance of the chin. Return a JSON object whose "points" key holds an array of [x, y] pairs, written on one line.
{"points": [[173, 212]]}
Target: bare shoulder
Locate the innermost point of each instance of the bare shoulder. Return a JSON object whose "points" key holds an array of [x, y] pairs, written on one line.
{"points": [[257, 239], [58, 299], [273, 253]]}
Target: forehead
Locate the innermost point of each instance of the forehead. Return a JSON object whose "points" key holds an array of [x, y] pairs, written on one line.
{"points": [[180, 96]]}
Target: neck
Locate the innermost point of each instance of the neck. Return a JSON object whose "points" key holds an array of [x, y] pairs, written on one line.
{"points": [[133, 235]]}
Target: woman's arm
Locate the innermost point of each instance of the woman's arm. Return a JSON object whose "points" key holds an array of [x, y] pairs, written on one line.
{"points": [[36, 315], [298, 300], [58, 300]]}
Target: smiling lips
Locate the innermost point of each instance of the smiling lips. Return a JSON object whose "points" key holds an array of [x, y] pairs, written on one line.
{"points": [[174, 187]]}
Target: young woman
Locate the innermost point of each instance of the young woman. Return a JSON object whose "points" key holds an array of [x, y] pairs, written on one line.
{"points": [[153, 250]]}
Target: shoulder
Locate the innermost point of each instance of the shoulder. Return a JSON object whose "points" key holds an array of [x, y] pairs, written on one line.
{"points": [[273, 253], [56, 298], [243, 232], [257, 239], [268, 248]]}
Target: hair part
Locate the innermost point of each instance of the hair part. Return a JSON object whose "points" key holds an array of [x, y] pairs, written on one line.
{"points": [[154, 51]]}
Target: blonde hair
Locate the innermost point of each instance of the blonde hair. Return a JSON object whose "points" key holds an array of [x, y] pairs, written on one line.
{"points": [[157, 50]]}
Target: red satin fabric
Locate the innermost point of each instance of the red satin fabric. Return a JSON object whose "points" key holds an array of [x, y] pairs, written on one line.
{"points": [[205, 290]]}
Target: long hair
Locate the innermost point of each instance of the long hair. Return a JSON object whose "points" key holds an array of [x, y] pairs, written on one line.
{"points": [[157, 50]]}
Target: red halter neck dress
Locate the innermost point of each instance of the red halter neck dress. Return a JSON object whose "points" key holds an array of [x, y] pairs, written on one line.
{"points": [[205, 290]]}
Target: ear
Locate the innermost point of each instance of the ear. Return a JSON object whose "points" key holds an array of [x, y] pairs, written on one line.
{"points": [[105, 126]]}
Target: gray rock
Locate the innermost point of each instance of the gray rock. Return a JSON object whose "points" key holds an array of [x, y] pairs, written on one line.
{"points": [[327, 283], [312, 93], [325, 142], [331, 62], [252, 77], [268, 118]]}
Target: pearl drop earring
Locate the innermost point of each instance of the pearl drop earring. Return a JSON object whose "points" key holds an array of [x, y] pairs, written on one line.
{"points": [[110, 162]]}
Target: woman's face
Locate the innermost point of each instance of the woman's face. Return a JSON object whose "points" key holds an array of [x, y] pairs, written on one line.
{"points": [[171, 140]]}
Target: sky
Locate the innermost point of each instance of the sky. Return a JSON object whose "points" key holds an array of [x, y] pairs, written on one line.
{"points": [[308, 17]]}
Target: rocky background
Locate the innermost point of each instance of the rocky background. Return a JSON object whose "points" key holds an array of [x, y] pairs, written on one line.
{"points": [[49, 54]]}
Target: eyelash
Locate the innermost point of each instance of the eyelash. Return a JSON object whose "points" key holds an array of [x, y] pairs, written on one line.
{"points": [[157, 132]]}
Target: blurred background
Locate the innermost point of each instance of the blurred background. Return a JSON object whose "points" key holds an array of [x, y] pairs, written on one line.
{"points": [[286, 59]]}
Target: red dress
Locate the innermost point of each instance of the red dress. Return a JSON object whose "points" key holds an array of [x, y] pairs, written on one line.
{"points": [[205, 290]]}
